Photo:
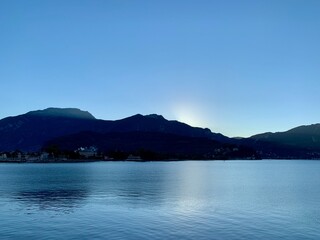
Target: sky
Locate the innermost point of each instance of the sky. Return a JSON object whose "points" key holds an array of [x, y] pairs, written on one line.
{"points": [[238, 67]]}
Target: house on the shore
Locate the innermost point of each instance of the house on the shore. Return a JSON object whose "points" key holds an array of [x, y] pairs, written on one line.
{"points": [[88, 152], [3, 156], [132, 157], [44, 156]]}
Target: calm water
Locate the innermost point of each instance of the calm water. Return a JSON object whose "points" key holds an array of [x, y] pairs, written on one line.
{"points": [[161, 200]]}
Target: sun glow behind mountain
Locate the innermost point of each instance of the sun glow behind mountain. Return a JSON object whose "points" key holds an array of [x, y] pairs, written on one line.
{"points": [[190, 113]]}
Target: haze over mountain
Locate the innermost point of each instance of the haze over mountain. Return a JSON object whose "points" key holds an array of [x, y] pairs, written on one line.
{"points": [[62, 113]]}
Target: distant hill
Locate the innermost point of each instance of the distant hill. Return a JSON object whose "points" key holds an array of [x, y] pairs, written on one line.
{"points": [[304, 136], [299, 142], [29, 132]]}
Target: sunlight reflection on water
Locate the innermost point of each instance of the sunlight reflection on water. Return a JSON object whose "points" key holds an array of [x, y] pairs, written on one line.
{"points": [[161, 200]]}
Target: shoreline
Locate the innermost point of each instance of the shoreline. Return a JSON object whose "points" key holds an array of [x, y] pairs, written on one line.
{"points": [[164, 160]]}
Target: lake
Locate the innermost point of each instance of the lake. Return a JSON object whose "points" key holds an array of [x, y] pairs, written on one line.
{"points": [[265, 199]]}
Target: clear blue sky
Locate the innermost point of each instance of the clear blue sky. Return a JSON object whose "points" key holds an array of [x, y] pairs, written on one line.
{"points": [[237, 67]]}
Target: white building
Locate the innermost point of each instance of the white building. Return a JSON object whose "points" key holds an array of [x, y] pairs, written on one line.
{"points": [[88, 152], [3, 156]]}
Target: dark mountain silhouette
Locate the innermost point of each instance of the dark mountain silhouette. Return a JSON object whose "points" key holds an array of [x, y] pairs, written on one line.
{"points": [[299, 142], [157, 123], [304, 136], [29, 132], [70, 128]]}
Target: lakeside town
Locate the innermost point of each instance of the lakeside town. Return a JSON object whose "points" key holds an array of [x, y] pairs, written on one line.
{"points": [[82, 154], [91, 154]]}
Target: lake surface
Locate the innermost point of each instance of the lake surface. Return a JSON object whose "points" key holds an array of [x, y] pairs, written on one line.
{"points": [[161, 200]]}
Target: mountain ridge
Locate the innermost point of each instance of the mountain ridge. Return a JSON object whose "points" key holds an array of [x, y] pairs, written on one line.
{"points": [[305, 136], [62, 112], [33, 131], [28, 132]]}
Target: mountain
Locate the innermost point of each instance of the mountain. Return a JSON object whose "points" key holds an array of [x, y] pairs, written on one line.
{"points": [[70, 128], [30, 131], [304, 136], [157, 123], [299, 142]]}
